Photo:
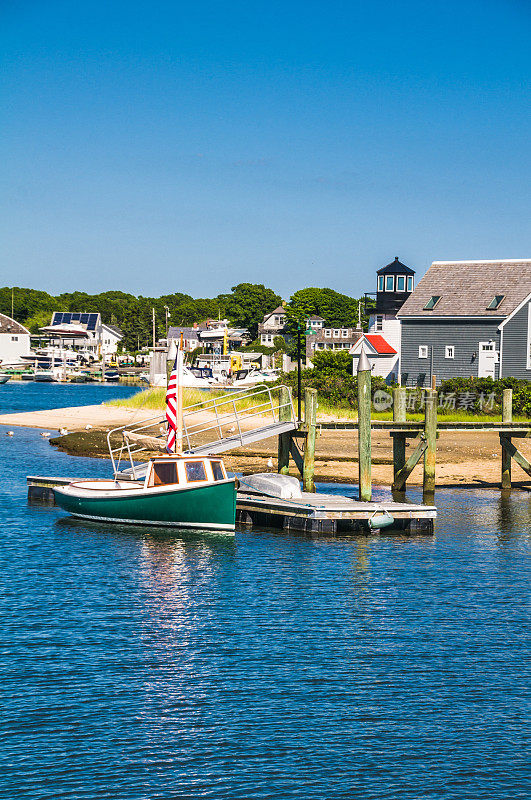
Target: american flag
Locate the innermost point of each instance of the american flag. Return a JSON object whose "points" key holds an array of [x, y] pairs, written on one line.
{"points": [[171, 406]]}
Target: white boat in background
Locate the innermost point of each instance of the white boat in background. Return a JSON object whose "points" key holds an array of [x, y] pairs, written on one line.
{"points": [[4, 377]]}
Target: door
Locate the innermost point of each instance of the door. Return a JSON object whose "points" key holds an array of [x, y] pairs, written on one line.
{"points": [[487, 360]]}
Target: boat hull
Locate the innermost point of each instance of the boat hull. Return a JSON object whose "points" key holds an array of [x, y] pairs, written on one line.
{"points": [[211, 506]]}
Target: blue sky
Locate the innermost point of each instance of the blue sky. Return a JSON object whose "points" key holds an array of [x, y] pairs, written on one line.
{"points": [[166, 146]]}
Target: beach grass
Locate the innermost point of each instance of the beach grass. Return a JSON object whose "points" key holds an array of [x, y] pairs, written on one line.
{"points": [[155, 400]]}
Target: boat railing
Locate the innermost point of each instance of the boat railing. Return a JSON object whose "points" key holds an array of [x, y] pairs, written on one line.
{"points": [[223, 420]]}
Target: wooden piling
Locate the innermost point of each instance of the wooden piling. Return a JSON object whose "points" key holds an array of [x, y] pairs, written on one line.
{"points": [[284, 440], [399, 442], [430, 432], [507, 416], [364, 427], [310, 419]]}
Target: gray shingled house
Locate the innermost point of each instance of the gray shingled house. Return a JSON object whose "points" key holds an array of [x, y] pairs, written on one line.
{"points": [[468, 318]]}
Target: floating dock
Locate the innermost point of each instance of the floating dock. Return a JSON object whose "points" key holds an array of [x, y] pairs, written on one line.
{"points": [[312, 512]]}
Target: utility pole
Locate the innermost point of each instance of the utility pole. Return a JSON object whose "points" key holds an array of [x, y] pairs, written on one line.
{"points": [[12, 303], [153, 329]]}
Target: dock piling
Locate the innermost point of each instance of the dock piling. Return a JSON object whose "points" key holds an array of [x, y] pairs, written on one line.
{"points": [[284, 440], [430, 432], [399, 441], [507, 416], [310, 419], [364, 427]]}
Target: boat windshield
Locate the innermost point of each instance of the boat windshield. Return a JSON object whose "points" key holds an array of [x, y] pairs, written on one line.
{"points": [[195, 471], [217, 470], [163, 473]]}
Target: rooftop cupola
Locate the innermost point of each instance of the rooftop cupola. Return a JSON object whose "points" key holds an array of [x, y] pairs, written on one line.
{"points": [[395, 283]]}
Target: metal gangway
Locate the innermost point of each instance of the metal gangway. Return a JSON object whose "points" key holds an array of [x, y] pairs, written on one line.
{"points": [[209, 427]]}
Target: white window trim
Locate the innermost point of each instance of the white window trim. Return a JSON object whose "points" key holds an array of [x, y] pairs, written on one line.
{"points": [[449, 351], [423, 351], [336, 333], [392, 278], [328, 333], [344, 333], [378, 323], [381, 283], [528, 337], [410, 282], [401, 278]]}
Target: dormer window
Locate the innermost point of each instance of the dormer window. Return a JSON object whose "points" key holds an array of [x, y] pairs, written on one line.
{"points": [[400, 283], [432, 302], [380, 283], [495, 302], [389, 283]]}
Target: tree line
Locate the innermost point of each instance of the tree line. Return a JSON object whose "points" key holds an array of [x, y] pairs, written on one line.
{"points": [[245, 306]]}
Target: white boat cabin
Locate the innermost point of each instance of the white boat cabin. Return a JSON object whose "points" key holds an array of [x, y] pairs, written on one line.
{"points": [[169, 470]]}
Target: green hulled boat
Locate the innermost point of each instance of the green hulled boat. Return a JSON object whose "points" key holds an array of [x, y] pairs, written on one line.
{"points": [[177, 491]]}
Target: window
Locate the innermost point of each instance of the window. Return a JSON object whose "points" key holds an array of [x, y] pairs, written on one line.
{"points": [[217, 470], [195, 471], [495, 302], [164, 474], [410, 283], [328, 332], [344, 333], [423, 351], [14, 338], [432, 302], [401, 283], [449, 351], [379, 323], [336, 333], [389, 283], [380, 283]]}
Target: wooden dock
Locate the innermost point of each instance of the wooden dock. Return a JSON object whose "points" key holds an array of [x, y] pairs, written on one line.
{"points": [[312, 512]]}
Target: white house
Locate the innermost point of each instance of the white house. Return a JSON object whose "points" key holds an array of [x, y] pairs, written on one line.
{"points": [[383, 357], [14, 341], [111, 336]]}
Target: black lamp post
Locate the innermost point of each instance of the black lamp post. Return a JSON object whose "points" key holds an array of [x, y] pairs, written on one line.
{"points": [[309, 332]]}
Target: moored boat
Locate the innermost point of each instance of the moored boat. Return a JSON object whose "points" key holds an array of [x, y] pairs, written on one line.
{"points": [[177, 491]]}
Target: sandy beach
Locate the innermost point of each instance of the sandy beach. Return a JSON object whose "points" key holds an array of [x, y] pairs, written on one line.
{"points": [[468, 458]]}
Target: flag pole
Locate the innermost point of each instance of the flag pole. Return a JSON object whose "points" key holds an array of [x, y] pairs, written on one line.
{"points": [[179, 431]]}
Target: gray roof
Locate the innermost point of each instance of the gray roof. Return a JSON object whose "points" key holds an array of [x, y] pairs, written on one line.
{"points": [[467, 287], [114, 329], [188, 333], [8, 325]]}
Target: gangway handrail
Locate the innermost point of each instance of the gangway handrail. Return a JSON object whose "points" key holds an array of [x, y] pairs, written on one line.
{"points": [[222, 418]]}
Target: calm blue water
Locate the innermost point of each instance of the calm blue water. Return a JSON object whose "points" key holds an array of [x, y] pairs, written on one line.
{"points": [[28, 396], [144, 666]]}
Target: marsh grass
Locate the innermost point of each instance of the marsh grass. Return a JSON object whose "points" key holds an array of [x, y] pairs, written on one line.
{"points": [[155, 400]]}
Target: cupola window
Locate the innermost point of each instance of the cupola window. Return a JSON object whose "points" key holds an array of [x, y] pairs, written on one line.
{"points": [[380, 283], [432, 302], [495, 302], [389, 283], [400, 283], [410, 283]]}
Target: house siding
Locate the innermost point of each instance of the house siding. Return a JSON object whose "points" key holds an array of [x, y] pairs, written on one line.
{"points": [[464, 335], [515, 338]]}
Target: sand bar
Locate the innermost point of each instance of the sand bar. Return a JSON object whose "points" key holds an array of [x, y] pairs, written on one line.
{"points": [[77, 417]]}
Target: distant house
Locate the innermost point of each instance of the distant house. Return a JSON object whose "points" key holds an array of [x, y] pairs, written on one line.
{"points": [[14, 341], [331, 338], [468, 318], [274, 324], [190, 336], [111, 336], [383, 357]]}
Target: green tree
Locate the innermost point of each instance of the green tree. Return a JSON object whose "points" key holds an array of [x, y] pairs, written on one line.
{"points": [[337, 309], [248, 304]]}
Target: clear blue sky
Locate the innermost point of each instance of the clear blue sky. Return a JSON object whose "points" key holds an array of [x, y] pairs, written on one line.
{"points": [[167, 146]]}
